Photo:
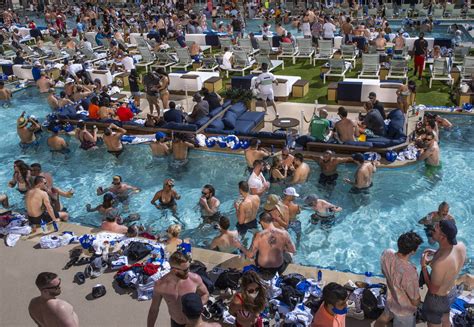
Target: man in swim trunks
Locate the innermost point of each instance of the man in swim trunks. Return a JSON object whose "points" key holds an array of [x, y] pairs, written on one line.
{"points": [[209, 204], [120, 189], [302, 170], [52, 99], [323, 210], [172, 287], [44, 83], [5, 94], [180, 147], [159, 148], [38, 206], [446, 263], [167, 196], [346, 130], [271, 248], [293, 210], [87, 139], [278, 210], [227, 241], [364, 173], [246, 208], [430, 155], [257, 182], [435, 217], [27, 134], [113, 140], [254, 152], [328, 164], [56, 143]]}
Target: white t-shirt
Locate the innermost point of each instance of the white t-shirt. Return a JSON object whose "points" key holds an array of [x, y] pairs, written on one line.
{"points": [[128, 64], [328, 30], [75, 68], [306, 28], [226, 64], [265, 82], [256, 181]]}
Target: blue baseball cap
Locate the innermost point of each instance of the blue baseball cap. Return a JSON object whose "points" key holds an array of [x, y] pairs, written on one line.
{"points": [[159, 135]]}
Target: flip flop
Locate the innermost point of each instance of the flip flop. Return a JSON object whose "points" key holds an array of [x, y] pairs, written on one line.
{"points": [[71, 263]]}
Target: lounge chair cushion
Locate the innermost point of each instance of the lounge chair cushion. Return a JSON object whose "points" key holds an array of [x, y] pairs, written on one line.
{"points": [[217, 124], [215, 111], [383, 142], [238, 109], [244, 125], [182, 127], [254, 116], [230, 119], [357, 143], [202, 121]]}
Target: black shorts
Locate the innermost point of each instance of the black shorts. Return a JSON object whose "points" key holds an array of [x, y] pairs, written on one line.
{"points": [[175, 324], [363, 190], [269, 273], [93, 22], [45, 217], [328, 179], [243, 228], [116, 153]]}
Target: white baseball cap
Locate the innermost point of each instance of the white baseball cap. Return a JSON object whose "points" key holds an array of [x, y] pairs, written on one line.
{"points": [[291, 192]]}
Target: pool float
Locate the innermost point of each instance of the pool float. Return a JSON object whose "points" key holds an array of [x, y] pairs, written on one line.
{"points": [[391, 156]]}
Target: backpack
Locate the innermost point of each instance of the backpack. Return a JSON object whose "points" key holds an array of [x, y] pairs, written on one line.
{"points": [[199, 268], [228, 279], [368, 304], [290, 296], [138, 250], [292, 279]]}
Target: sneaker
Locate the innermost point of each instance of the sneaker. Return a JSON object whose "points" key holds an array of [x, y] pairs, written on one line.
{"points": [[356, 314]]}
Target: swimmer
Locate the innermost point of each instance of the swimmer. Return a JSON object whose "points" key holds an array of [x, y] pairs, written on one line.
{"points": [[430, 154], [87, 139], [159, 148], [106, 208], [294, 210], [120, 189], [52, 99], [167, 196], [302, 170], [364, 173], [323, 209], [25, 132], [435, 217], [246, 208], [63, 100], [287, 159], [5, 94], [209, 204], [257, 182], [113, 140], [227, 241], [44, 83], [254, 152], [328, 164], [56, 143], [278, 210], [21, 176], [180, 147]]}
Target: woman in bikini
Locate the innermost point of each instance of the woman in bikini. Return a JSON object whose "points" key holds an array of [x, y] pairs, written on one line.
{"points": [[247, 304], [163, 89], [87, 140], [278, 172], [21, 176], [403, 93], [167, 196]]}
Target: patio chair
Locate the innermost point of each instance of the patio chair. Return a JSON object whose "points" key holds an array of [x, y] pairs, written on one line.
{"points": [[148, 58], [398, 69], [173, 45], [305, 49], [337, 68], [459, 53], [226, 42], [246, 45], [389, 13], [370, 66], [56, 54], [271, 64], [467, 69], [184, 59], [241, 63], [420, 10], [164, 60], [325, 51], [349, 53], [288, 50], [437, 13], [265, 47], [440, 71], [91, 38], [448, 9], [209, 64]]}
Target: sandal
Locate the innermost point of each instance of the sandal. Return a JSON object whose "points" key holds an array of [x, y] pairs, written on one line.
{"points": [[71, 263], [83, 261]]}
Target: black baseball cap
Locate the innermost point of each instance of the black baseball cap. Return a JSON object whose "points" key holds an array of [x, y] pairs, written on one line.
{"points": [[191, 305], [372, 95], [358, 157], [448, 227]]}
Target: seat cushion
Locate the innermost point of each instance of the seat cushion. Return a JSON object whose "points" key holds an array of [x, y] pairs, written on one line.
{"points": [[182, 127], [244, 125], [256, 117], [217, 124], [215, 111], [238, 109], [357, 143], [202, 121], [384, 142], [229, 120], [395, 128]]}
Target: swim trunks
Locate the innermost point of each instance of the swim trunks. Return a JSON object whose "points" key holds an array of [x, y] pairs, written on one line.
{"points": [[269, 273], [317, 217], [435, 306], [116, 153], [44, 217], [86, 145], [62, 151], [295, 225], [243, 228], [362, 190], [29, 145], [431, 170], [328, 179]]}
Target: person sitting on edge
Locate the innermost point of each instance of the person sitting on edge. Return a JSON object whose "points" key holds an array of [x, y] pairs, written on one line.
{"points": [[173, 240], [113, 140], [227, 241], [333, 309], [302, 170], [110, 225], [200, 109], [376, 104], [328, 164], [124, 113], [319, 126], [445, 263], [373, 122], [172, 287], [430, 154], [180, 147], [255, 152], [246, 208], [192, 308], [159, 148], [173, 114], [271, 248], [403, 296], [435, 217], [257, 182], [94, 108], [364, 173], [346, 130]]}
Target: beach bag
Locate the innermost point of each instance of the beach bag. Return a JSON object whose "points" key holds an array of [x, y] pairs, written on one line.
{"points": [[138, 250], [292, 279], [369, 305], [200, 268], [228, 279], [290, 296]]}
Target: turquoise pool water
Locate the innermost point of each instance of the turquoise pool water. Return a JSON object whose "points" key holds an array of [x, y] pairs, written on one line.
{"points": [[367, 225]]}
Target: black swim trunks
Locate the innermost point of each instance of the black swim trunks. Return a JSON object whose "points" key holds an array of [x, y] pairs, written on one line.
{"points": [[363, 190], [175, 324], [269, 273], [116, 153], [62, 151], [44, 217], [328, 179], [243, 228]]}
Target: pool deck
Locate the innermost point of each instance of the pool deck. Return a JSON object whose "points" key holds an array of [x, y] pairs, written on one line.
{"points": [[21, 264]]}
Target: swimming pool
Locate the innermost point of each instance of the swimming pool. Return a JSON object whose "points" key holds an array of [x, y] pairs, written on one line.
{"points": [[367, 225]]}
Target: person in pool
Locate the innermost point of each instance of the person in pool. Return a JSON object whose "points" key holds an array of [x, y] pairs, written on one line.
{"points": [[5, 94], [302, 170], [87, 139], [209, 204], [430, 154], [167, 196], [120, 190], [254, 152], [435, 217], [322, 209], [159, 148], [180, 147], [106, 208], [25, 132], [227, 241], [4, 200], [56, 143], [113, 140], [328, 164], [364, 173], [246, 208], [21, 176]]}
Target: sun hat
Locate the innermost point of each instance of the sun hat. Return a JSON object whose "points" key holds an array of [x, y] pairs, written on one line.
{"points": [[21, 122], [291, 192], [272, 202]]}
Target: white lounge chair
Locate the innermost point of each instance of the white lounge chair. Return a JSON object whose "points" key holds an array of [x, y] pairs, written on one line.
{"points": [[241, 62], [246, 45], [164, 60], [184, 59], [325, 51], [459, 53], [209, 64], [271, 64], [337, 68], [440, 71], [226, 42], [370, 66], [265, 47], [349, 53], [398, 69], [305, 49], [148, 58], [288, 50], [467, 69], [90, 36]]}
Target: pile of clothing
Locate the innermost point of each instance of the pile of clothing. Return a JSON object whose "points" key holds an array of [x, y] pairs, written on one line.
{"points": [[13, 226]]}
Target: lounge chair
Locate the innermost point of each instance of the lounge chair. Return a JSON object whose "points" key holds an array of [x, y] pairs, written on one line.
{"points": [[265, 47], [448, 9], [246, 45], [349, 53], [272, 64], [437, 13], [288, 50], [398, 69], [241, 62], [226, 42], [467, 69], [440, 71], [164, 60], [148, 58], [305, 49], [338, 68], [325, 51], [184, 59], [91, 38], [209, 64], [459, 53], [370, 66]]}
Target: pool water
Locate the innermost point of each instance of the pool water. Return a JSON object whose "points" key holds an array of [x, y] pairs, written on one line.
{"points": [[367, 225]]}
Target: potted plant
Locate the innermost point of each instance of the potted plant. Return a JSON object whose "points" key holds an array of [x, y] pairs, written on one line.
{"points": [[240, 95]]}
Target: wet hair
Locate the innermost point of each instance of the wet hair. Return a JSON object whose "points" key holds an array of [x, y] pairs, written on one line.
{"points": [[257, 163], [408, 242], [44, 279], [333, 293], [38, 180], [342, 111], [211, 189], [260, 302], [265, 217], [174, 230], [23, 168], [118, 177], [299, 156], [107, 200], [224, 222], [178, 258], [244, 186], [442, 205], [430, 134], [107, 131]]}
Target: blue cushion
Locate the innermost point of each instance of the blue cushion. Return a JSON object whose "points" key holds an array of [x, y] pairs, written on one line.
{"points": [[212, 130], [244, 125], [182, 127], [215, 111], [216, 124], [238, 109], [255, 116], [229, 120], [270, 135], [357, 143], [380, 142], [395, 128], [226, 103], [202, 121]]}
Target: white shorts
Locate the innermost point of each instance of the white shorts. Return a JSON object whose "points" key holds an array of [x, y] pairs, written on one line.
{"points": [[266, 96], [401, 321]]}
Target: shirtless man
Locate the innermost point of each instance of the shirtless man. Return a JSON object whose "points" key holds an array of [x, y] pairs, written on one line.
{"points": [[328, 164], [180, 148], [159, 148], [435, 217], [44, 83], [430, 154], [209, 203], [279, 211], [323, 210], [290, 195], [346, 129], [380, 42], [255, 153], [347, 30], [56, 143], [301, 170], [172, 286], [63, 100], [363, 174], [227, 241], [4, 200], [27, 134], [399, 41], [5, 94], [246, 208], [257, 182], [52, 99], [113, 140], [38, 206], [446, 263], [120, 189], [271, 248], [48, 311], [110, 225]]}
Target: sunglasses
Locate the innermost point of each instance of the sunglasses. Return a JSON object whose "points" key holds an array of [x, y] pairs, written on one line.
{"points": [[183, 270], [429, 139], [205, 193], [53, 287], [252, 290]]}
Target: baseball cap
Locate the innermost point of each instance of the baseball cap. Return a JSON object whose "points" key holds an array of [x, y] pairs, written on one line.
{"points": [[191, 304], [358, 157], [290, 191], [272, 201], [69, 80], [159, 135], [310, 199], [372, 95], [448, 227]]}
